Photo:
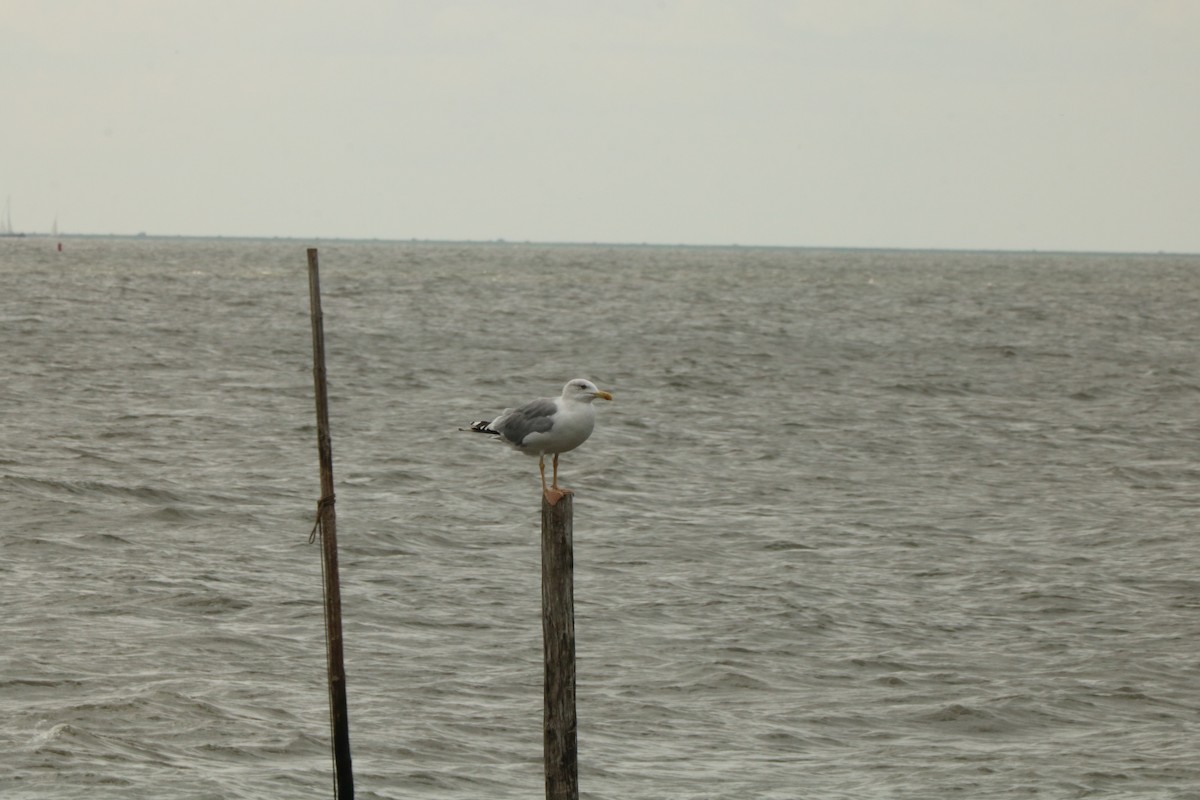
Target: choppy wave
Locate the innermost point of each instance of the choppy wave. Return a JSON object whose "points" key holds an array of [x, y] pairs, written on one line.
{"points": [[859, 524]]}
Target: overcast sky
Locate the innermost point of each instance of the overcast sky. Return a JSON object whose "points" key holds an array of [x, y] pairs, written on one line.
{"points": [[1007, 124]]}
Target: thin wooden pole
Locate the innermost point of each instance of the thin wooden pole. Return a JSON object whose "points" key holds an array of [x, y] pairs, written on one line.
{"points": [[558, 636], [343, 776]]}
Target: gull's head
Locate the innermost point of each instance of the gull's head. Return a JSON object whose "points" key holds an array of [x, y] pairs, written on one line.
{"points": [[584, 391]]}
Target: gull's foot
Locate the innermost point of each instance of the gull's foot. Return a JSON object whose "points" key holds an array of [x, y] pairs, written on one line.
{"points": [[555, 493]]}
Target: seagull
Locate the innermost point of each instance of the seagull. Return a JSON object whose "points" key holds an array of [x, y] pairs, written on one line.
{"points": [[548, 425]]}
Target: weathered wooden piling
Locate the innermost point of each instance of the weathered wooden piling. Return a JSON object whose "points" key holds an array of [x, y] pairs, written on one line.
{"points": [[558, 636], [343, 777]]}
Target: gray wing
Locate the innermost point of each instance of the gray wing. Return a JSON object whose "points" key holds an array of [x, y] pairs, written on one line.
{"points": [[533, 417]]}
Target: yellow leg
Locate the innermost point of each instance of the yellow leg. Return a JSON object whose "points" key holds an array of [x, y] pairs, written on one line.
{"points": [[542, 470], [554, 482]]}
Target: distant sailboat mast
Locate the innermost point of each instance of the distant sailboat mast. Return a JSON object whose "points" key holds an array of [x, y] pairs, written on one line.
{"points": [[6, 226]]}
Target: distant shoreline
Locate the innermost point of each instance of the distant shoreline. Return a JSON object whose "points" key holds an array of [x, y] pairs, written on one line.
{"points": [[529, 243]]}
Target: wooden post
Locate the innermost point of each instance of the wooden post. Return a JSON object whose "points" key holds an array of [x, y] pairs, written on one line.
{"points": [[343, 777], [558, 635]]}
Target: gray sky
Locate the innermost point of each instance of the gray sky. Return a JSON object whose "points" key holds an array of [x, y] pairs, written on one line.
{"points": [[1010, 124]]}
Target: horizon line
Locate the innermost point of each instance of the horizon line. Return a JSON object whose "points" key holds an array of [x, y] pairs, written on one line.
{"points": [[501, 241]]}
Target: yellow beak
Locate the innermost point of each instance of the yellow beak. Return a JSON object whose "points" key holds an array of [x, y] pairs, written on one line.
{"points": [[604, 395]]}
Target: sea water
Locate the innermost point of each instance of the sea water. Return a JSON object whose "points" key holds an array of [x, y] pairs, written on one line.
{"points": [[857, 524]]}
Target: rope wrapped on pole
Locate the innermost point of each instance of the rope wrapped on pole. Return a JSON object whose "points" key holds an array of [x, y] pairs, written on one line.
{"points": [[326, 525]]}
